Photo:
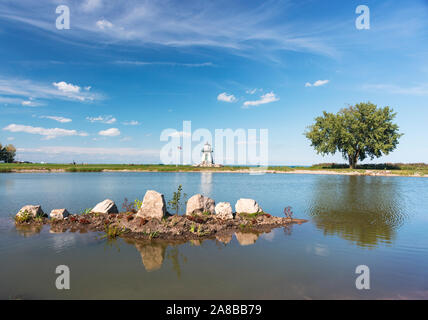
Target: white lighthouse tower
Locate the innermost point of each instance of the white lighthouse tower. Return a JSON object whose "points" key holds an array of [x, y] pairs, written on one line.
{"points": [[207, 158]]}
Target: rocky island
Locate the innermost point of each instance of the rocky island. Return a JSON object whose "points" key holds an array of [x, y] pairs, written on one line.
{"points": [[203, 219]]}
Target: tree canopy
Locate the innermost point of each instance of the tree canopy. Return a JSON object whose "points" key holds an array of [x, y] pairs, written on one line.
{"points": [[7, 153], [358, 132]]}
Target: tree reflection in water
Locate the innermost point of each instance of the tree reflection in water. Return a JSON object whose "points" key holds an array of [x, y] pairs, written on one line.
{"points": [[364, 210]]}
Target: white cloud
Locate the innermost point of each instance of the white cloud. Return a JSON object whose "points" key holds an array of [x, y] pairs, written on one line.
{"points": [[50, 133], [17, 91], [91, 5], [103, 119], [104, 24], [10, 138], [112, 132], [266, 98], [30, 103], [226, 97], [59, 119], [252, 91], [131, 123], [317, 83], [66, 87], [124, 139]]}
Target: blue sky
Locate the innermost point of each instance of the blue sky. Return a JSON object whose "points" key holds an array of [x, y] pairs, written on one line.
{"points": [[104, 90]]}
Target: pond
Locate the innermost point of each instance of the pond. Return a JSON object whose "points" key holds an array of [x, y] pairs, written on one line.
{"points": [[380, 222]]}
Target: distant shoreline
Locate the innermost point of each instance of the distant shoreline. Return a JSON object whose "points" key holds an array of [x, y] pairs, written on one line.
{"points": [[347, 172]]}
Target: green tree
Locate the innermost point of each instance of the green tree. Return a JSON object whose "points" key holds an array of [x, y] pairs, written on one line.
{"points": [[175, 203], [7, 153], [358, 132]]}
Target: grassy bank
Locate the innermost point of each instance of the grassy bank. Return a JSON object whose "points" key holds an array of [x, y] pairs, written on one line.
{"points": [[367, 169]]}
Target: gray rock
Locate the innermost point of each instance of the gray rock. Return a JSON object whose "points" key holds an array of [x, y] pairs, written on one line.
{"points": [[59, 214], [153, 206], [223, 210], [247, 206], [106, 206], [198, 204], [33, 210]]}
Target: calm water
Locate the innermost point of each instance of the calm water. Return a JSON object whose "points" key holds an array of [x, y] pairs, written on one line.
{"points": [[381, 222]]}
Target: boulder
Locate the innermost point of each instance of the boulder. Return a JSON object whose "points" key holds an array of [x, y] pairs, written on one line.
{"points": [[247, 206], [153, 206], [59, 214], [223, 210], [198, 204], [34, 211], [106, 206]]}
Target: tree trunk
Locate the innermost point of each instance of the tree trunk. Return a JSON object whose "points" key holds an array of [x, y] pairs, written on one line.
{"points": [[352, 161]]}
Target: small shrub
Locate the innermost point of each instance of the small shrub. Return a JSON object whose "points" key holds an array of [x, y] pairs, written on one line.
{"points": [[86, 211], [23, 217], [176, 202], [112, 232], [128, 206], [138, 204], [153, 235], [288, 212]]}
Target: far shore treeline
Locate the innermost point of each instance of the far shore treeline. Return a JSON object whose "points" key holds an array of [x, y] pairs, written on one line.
{"points": [[7, 153]]}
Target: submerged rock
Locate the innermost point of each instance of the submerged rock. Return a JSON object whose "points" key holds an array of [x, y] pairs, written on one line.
{"points": [[33, 210], [247, 206], [106, 206], [153, 206], [223, 210], [198, 204], [152, 255], [59, 214], [246, 238]]}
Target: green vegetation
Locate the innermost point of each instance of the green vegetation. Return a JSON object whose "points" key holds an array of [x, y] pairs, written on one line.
{"points": [[86, 211], [251, 215], [175, 203], [23, 217], [396, 168], [112, 232], [358, 132], [7, 153]]}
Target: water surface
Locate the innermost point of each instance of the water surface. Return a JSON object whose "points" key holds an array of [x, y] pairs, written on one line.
{"points": [[381, 222]]}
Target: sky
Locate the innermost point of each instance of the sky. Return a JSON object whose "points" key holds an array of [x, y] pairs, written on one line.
{"points": [[104, 90]]}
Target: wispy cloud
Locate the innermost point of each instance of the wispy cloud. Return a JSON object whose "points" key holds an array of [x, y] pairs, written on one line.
{"points": [[91, 151], [257, 27], [18, 91], [103, 119], [225, 97], [112, 132], [265, 98], [31, 103], [131, 123], [48, 133], [91, 5], [317, 83], [59, 119], [104, 24], [165, 63]]}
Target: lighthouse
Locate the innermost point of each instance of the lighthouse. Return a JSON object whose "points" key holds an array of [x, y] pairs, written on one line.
{"points": [[207, 158]]}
